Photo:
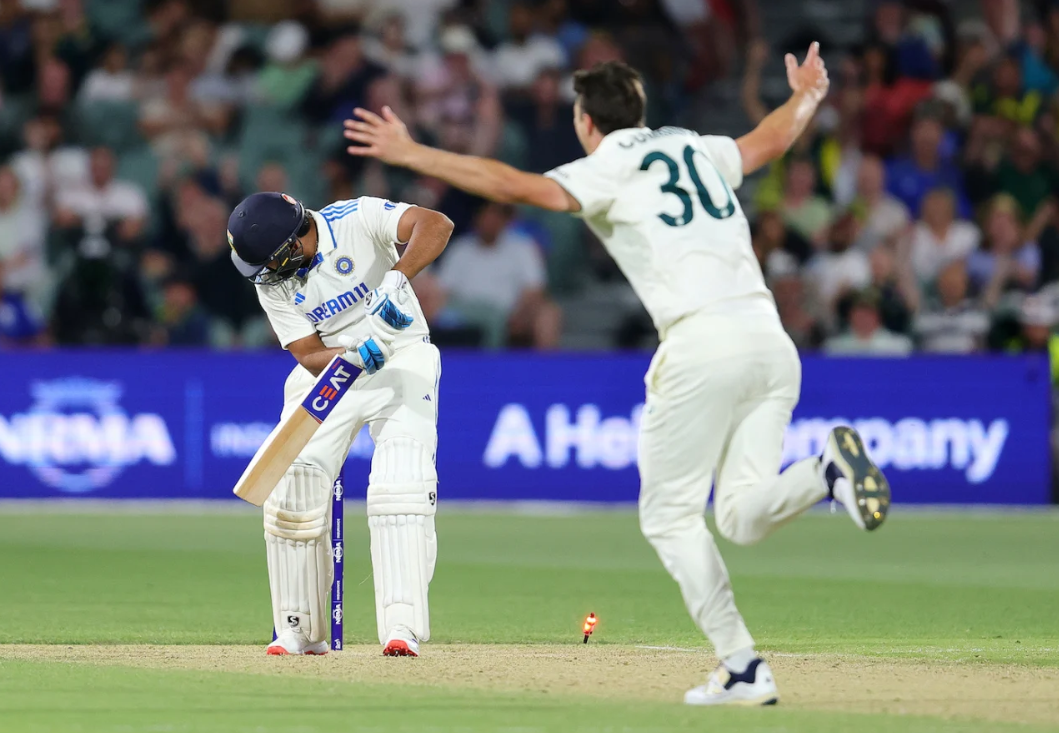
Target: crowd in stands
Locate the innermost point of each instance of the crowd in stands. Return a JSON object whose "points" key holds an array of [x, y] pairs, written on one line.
{"points": [[917, 213]]}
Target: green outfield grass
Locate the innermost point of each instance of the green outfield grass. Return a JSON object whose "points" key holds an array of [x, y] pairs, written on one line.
{"points": [[963, 594]]}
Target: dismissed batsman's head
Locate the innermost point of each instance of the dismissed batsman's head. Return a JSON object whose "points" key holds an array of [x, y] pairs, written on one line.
{"points": [[265, 232]]}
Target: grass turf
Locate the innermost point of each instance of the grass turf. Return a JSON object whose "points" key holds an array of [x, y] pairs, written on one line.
{"points": [[937, 588]]}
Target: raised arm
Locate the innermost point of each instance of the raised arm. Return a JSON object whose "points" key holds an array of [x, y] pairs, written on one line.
{"points": [[387, 139], [780, 128]]}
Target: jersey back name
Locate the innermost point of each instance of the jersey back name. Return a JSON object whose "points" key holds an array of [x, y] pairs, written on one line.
{"points": [[663, 203]]}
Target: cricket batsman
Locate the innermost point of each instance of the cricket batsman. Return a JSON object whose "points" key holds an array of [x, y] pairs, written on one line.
{"points": [[331, 282], [725, 378]]}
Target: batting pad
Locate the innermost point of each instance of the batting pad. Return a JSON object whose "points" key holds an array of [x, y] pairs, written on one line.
{"points": [[298, 545], [401, 506]]}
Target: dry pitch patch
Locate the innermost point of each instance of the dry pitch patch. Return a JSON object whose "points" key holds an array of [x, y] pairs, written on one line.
{"points": [[810, 682]]}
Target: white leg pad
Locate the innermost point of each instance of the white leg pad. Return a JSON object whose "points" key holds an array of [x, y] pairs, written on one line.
{"points": [[298, 545], [401, 505]]}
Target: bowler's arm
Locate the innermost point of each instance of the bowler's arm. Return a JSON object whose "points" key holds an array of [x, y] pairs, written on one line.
{"points": [[777, 132], [387, 138]]}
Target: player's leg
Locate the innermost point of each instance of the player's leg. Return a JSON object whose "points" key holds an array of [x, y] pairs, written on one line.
{"points": [[682, 432], [298, 528], [402, 496], [751, 497]]}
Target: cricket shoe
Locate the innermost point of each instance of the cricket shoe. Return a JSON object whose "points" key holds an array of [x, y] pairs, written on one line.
{"points": [[294, 642], [853, 480], [754, 686], [401, 643]]}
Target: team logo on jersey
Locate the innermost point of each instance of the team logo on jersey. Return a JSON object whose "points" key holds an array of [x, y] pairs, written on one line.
{"points": [[289, 200], [389, 206], [231, 240], [344, 265]]}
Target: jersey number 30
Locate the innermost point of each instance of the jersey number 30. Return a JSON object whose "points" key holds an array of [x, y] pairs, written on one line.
{"points": [[671, 186]]}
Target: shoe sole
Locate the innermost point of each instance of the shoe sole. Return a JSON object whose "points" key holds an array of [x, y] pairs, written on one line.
{"points": [[871, 490], [398, 649]]}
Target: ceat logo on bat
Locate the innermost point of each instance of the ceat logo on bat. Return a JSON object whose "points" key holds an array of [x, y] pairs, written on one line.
{"points": [[328, 390]]}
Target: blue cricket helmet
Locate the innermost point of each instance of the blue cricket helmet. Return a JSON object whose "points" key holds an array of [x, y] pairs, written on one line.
{"points": [[265, 228]]}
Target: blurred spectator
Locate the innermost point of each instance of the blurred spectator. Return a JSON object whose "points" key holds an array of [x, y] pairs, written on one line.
{"points": [[910, 178], [421, 17], [1004, 96], [951, 322], [78, 44], [897, 295], [103, 201], [840, 268], [938, 237], [22, 271], [453, 87], [546, 122], [288, 74], [388, 48], [495, 279], [792, 302], [1006, 262], [865, 335], [112, 81], [344, 80], [775, 244], [228, 298], [1022, 173], [176, 123], [182, 321], [519, 59], [272, 177], [54, 86], [804, 211], [883, 217], [47, 164], [557, 22]]}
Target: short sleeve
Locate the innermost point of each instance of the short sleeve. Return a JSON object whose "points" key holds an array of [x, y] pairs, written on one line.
{"points": [[289, 324], [380, 218], [725, 155], [587, 180]]}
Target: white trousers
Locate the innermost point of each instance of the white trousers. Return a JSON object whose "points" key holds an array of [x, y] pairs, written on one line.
{"points": [[719, 397], [399, 404]]}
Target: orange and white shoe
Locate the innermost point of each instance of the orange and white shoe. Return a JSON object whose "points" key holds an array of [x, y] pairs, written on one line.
{"points": [[401, 643], [294, 643]]}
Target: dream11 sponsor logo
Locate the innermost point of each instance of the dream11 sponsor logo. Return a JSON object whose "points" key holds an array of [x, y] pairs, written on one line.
{"points": [[76, 437], [589, 440]]}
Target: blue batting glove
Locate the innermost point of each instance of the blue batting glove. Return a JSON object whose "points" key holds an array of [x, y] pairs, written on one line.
{"points": [[365, 351], [386, 305]]}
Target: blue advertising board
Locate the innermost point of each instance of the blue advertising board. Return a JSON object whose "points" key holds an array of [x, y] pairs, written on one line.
{"points": [[172, 424]]}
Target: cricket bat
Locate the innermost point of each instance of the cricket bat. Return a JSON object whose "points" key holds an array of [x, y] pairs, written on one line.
{"points": [[288, 438]]}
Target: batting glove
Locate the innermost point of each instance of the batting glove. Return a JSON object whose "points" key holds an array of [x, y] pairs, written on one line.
{"points": [[366, 350], [387, 306]]}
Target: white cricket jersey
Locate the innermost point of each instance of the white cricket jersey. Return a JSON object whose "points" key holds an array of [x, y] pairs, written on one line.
{"points": [[355, 248], [663, 204]]}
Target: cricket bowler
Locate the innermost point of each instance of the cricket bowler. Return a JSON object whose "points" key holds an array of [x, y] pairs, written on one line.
{"points": [[331, 282], [721, 387]]}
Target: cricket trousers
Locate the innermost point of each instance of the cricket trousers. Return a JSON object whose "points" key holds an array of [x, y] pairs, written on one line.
{"points": [[399, 404], [720, 391]]}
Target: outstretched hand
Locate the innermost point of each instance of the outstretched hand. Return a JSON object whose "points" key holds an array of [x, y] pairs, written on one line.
{"points": [[385, 137], [811, 77]]}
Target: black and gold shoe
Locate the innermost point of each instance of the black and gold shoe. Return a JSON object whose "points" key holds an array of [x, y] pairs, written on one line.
{"points": [[853, 480]]}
